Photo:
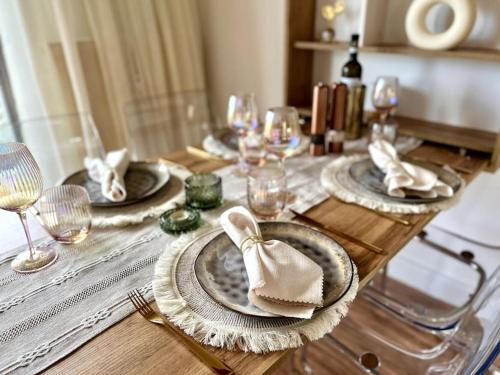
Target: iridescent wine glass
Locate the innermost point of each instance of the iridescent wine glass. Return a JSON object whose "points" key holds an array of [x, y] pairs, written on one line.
{"points": [[20, 187], [282, 131], [242, 118], [385, 96]]}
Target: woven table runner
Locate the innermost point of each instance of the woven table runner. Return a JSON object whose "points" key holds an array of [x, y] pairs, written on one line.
{"points": [[46, 315]]}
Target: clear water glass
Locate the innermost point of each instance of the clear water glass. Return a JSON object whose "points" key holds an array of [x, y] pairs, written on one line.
{"points": [[267, 191], [21, 185], [65, 213], [253, 152], [386, 131], [282, 131], [385, 96]]}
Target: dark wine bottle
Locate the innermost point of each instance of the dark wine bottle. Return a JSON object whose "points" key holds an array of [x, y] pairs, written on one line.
{"points": [[352, 70]]}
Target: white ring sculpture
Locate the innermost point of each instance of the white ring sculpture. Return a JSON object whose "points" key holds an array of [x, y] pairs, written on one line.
{"points": [[464, 12]]}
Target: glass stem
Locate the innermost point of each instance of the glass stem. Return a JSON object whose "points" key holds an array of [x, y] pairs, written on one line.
{"points": [[24, 221]]}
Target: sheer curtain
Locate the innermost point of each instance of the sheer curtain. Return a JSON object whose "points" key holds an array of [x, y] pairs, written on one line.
{"points": [[98, 56]]}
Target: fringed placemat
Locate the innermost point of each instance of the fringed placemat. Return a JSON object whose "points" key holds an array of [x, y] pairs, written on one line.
{"points": [[164, 199], [336, 179], [403, 144], [182, 299]]}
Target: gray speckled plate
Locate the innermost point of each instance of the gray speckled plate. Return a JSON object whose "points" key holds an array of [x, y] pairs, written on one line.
{"points": [[142, 180], [367, 174], [221, 273]]}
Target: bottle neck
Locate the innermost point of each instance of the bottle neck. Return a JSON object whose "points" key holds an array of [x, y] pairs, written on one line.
{"points": [[353, 52]]}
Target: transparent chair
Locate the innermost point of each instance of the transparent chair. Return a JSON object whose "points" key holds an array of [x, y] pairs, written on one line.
{"points": [[374, 340], [423, 286], [60, 143], [164, 123]]}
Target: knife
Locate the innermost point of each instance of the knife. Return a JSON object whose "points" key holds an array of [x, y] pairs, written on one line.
{"points": [[348, 237]]}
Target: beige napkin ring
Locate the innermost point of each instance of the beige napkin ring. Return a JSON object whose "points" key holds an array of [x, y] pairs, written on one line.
{"points": [[249, 241]]}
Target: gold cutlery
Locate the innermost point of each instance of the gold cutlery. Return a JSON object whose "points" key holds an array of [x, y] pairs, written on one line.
{"points": [[388, 216], [209, 359], [443, 164], [198, 152], [348, 237]]}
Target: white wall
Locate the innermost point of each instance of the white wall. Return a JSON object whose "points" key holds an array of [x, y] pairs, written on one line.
{"points": [[244, 43], [453, 91]]}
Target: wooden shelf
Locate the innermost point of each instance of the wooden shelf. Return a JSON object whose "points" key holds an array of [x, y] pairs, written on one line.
{"points": [[461, 53]]}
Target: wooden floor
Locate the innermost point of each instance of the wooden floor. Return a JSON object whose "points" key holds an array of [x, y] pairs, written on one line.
{"points": [[326, 358]]}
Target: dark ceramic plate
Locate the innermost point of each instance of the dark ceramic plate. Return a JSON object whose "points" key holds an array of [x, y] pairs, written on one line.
{"points": [[228, 138], [221, 273], [367, 174], [142, 180]]}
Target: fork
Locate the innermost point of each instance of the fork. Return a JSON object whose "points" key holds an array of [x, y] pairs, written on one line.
{"points": [[209, 359]]}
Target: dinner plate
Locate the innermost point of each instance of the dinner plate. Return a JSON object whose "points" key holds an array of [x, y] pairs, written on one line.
{"points": [[220, 270], [367, 174], [142, 180]]}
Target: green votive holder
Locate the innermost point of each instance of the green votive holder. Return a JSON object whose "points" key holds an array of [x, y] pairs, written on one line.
{"points": [[180, 220], [203, 191]]}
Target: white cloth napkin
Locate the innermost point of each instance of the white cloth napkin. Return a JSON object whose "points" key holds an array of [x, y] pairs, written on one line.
{"points": [[109, 173], [282, 280], [402, 178]]}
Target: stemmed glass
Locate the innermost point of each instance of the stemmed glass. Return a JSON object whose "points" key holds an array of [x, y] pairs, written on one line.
{"points": [[20, 187], [282, 131], [242, 118], [385, 96]]}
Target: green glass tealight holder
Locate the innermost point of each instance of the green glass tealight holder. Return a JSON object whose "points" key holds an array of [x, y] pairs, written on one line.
{"points": [[203, 191], [179, 220]]}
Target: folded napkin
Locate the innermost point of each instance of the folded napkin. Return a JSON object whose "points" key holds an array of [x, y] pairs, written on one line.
{"points": [[402, 178], [283, 281], [109, 173]]}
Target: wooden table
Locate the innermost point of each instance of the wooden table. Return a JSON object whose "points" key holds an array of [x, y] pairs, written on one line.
{"points": [[136, 346]]}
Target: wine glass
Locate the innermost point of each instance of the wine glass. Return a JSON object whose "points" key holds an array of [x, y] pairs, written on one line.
{"points": [[282, 131], [385, 96], [242, 118], [20, 187]]}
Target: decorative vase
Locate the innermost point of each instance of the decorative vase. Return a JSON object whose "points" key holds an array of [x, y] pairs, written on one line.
{"points": [[464, 12]]}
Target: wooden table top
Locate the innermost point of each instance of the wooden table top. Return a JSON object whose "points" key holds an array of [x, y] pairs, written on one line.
{"points": [[136, 346]]}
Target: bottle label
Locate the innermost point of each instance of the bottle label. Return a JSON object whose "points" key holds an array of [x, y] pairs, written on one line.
{"points": [[351, 81]]}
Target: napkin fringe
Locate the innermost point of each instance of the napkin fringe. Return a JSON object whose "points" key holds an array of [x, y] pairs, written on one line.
{"points": [[254, 340], [330, 183]]}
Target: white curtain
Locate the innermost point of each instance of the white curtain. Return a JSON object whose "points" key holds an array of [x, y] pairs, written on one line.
{"points": [[98, 57]]}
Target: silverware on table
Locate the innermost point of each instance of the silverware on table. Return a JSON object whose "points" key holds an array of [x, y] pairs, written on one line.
{"points": [[209, 359], [198, 152], [457, 168], [388, 216], [348, 237]]}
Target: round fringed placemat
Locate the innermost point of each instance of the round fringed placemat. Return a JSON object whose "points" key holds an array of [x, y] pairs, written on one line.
{"points": [[403, 144], [182, 299], [164, 199], [336, 179]]}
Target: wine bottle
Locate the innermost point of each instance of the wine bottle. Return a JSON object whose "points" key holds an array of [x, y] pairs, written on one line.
{"points": [[352, 70]]}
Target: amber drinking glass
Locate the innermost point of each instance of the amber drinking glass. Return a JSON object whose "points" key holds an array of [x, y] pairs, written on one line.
{"points": [[65, 213], [267, 191], [21, 185]]}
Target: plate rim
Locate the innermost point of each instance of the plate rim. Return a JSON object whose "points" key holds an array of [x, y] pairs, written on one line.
{"points": [[317, 310], [406, 200], [111, 204]]}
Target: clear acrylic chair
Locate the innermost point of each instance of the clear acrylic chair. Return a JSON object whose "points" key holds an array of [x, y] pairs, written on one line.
{"points": [[374, 340], [431, 269], [60, 143], [159, 124]]}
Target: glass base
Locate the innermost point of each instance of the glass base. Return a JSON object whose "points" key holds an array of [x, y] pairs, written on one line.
{"points": [[42, 257]]}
